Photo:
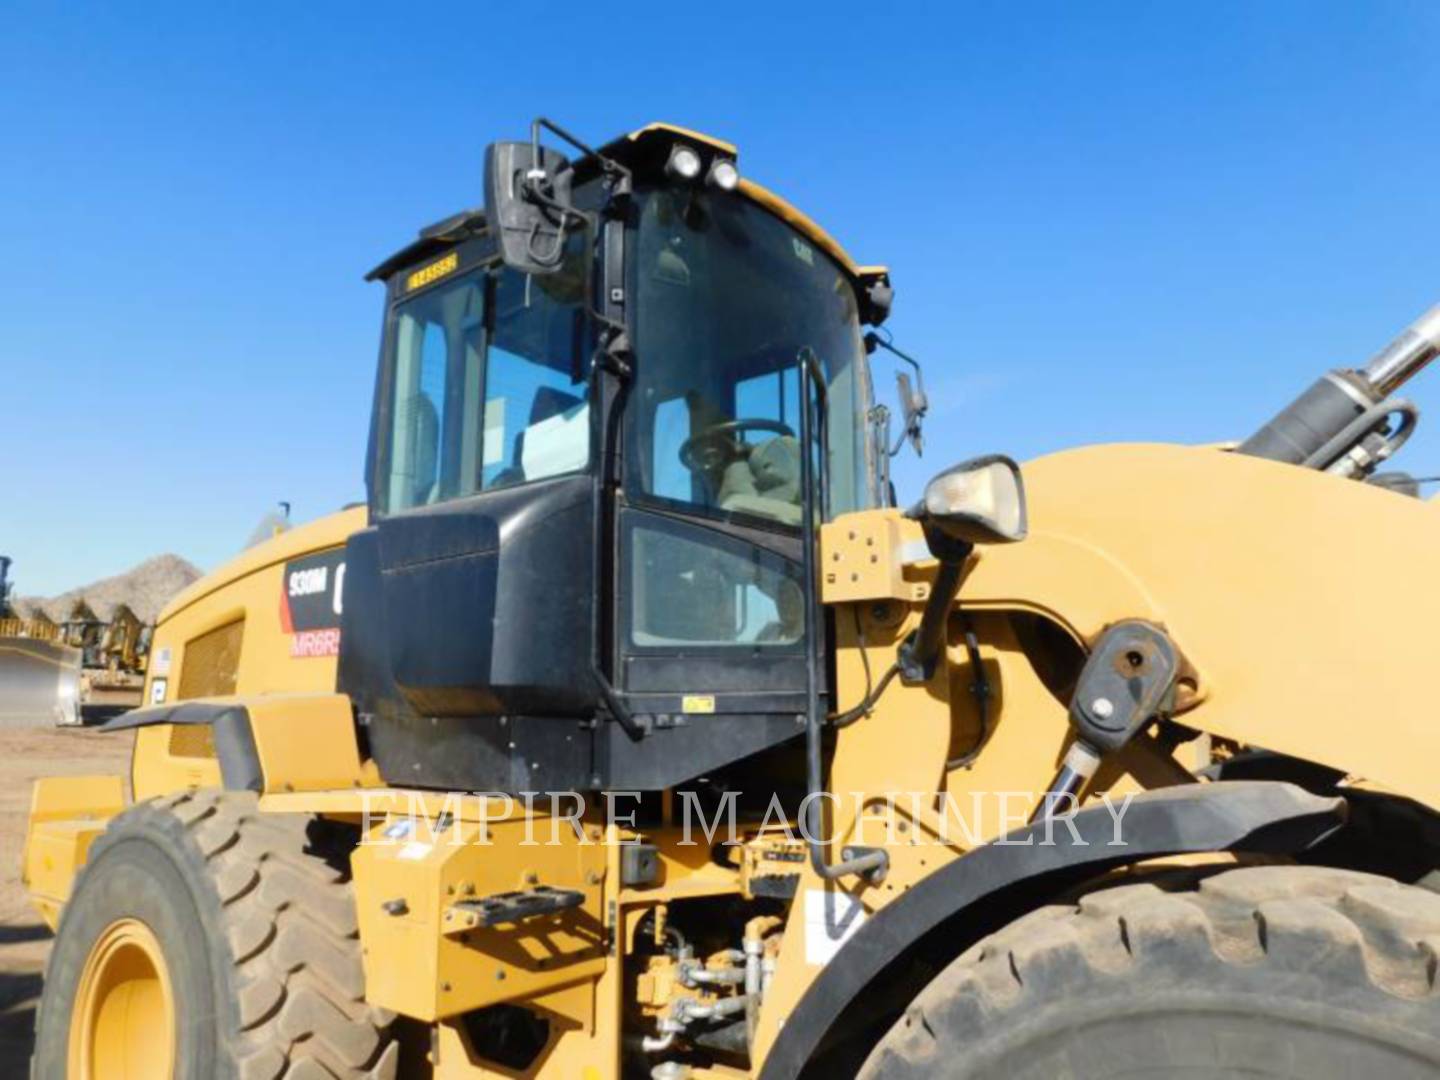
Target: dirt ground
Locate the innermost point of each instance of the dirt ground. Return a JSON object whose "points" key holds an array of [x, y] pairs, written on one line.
{"points": [[24, 940]]}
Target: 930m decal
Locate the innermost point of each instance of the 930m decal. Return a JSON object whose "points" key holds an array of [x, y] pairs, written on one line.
{"points": [[311, 601]]}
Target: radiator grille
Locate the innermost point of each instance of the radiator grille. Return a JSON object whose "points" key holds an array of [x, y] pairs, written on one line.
{"points": [[210, 662]]}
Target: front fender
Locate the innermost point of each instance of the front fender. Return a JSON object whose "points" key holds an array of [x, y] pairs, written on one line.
{"points": [[1229, 816]]}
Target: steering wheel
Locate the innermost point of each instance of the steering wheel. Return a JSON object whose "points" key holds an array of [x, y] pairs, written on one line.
{"points": [[718, 446]]}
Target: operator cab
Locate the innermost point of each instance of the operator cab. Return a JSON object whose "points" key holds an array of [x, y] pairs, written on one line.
{"points": [[584, 563]]}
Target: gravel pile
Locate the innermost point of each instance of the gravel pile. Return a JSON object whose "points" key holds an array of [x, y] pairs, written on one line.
{"points": [[145, 589]]}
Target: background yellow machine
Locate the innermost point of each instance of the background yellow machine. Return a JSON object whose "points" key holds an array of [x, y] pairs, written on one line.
{"points": [[77, 669], [630, 729]]}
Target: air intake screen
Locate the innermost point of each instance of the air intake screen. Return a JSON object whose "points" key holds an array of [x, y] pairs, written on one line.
{"points": [[192, 740], [210, 662]]}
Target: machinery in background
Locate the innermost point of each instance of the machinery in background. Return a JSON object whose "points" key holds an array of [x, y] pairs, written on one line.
{"points": [[39, 672], [84, 667]]}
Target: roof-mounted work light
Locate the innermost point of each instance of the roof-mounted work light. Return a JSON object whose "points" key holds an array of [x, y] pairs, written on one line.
{"points": [[723, 174], [684, 163]]}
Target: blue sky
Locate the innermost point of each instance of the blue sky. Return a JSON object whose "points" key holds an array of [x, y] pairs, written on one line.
{"points": [[1105, 221]]}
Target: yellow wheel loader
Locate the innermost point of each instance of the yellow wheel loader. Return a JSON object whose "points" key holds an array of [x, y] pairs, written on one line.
{"points": [[631, 730]]}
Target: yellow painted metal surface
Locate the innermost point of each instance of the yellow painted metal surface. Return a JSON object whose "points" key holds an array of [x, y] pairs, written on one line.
{"points": [[124, 1019], [411, 873], [234, 620], [159, 763], [1304, 601], [251, 588], [326, 532], [687, 133], [66, 815], [873, 555], [306, 742]]}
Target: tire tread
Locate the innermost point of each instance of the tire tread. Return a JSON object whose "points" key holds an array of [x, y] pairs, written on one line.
{"points": [[1360, 930]]}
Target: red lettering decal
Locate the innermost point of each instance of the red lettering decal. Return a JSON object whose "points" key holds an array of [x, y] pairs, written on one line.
{"points": [[311, 643]]}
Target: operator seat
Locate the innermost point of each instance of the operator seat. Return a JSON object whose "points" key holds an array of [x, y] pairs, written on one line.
{"points": [[547, 403], [766, 482]]}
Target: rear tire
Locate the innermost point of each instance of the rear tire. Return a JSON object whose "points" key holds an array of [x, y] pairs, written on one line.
{"points": [[258, 935], [1273, 971]]}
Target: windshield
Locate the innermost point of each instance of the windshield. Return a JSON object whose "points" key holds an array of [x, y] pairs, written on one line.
{"points": [[726, 296]]}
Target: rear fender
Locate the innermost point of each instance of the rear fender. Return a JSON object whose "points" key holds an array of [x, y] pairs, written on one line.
{"points": [[278, 743]]}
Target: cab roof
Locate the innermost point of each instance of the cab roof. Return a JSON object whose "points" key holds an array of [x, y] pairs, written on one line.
{"points": [[646, 147]]}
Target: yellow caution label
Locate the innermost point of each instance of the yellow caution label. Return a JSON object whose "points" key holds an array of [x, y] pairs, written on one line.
{"points": [[434, 272], [697, 703]]}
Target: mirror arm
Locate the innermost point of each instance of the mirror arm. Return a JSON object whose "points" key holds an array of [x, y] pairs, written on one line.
{"points": [[916, 405], [920, 651], [610, 165], [872, 339]]}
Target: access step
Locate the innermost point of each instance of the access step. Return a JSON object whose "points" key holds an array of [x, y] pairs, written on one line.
{"points": [[509, 907]]}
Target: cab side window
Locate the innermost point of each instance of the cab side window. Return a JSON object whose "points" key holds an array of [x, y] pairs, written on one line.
{"points": [[438, 350], [486, 388], [537, 422]]}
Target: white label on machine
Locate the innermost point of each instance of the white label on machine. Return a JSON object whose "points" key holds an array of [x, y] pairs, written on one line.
{"points": [[831, 919], [161, 665]]}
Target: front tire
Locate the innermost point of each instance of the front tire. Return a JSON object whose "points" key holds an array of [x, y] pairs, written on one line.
{"points": [[1273, 971], [217, 940]]}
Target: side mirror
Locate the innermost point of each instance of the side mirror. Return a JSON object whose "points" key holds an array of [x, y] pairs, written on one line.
{"points": [[981, 501], [914, 404], [528, 205]]}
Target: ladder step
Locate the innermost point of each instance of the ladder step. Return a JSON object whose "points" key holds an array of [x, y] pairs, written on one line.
{"points": [[512, 907]]}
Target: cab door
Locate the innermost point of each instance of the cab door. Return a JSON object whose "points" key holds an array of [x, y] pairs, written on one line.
{"points": [[710, 627]]}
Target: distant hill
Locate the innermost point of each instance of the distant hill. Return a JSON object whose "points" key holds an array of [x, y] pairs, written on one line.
{"points": [[146, 589]]}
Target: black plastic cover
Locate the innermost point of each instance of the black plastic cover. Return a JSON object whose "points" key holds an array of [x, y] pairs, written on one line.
{"points": [[1127, 681]]}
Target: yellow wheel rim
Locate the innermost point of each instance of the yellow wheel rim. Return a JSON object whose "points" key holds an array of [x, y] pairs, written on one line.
{"points": [[123, 1026]]}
